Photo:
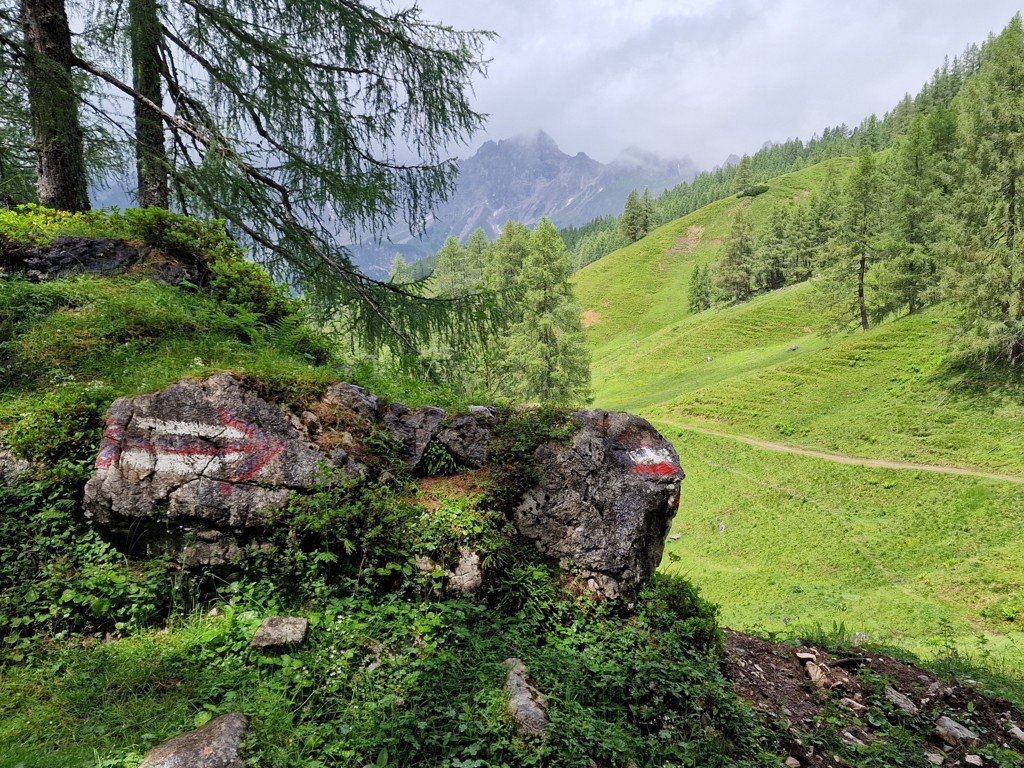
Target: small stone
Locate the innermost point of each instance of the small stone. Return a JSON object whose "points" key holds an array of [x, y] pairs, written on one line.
{"points": [[954, 734], [468, 576], [900, 701], [11, 468], [817, 674], [676, 536], [853, 706], [792, 762], [973, 760], [280, 632], [1016, 733], [934, 758], [850, 738], [805, 656], [527, 706], [793, 348], [215, 745]]}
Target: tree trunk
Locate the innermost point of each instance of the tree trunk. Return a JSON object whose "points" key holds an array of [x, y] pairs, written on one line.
{"points": [[150, 148], [860, 292], [53, 105]]}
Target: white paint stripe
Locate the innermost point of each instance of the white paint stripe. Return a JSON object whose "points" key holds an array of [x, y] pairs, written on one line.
{"points": [[191, 428], [177, 464], [651, 456]]}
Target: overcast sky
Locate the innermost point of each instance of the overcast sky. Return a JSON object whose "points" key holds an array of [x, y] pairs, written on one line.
{"points": [[705, 78]]}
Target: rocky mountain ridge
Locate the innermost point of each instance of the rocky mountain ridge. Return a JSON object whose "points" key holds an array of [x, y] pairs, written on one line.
{"points": [[523, 179]]}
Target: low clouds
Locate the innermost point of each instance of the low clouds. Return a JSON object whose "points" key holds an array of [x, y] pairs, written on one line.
{"points": [[705, 78]]}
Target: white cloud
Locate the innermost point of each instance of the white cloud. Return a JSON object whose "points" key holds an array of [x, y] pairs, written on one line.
{"points": [[706, 77]]}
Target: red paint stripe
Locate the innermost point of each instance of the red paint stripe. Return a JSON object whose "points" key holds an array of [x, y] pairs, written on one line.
{"points": [[664, 469]]}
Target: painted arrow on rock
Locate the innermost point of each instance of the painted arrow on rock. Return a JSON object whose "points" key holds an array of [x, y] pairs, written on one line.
{"points": [[234, 448]]}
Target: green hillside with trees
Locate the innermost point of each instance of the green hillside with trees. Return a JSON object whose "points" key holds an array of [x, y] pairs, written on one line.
{"points": [[866, 308]]}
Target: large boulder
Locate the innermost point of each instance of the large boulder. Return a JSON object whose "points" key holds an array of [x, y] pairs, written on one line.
{"points": [[200, 460], [605, 501], [202, 468]]}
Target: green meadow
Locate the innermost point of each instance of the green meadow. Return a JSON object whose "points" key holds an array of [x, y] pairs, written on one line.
{"points": [[790, 544]]}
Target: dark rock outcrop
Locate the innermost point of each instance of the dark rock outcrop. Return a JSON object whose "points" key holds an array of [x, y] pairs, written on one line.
{"points": [[100, 256], [201, 469], [413, 429], [215, 745], [606, 501], [466, 439]]}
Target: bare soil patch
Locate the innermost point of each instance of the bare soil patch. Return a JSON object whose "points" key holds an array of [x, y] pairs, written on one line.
{"points": [[832, 703], [688, 242]]}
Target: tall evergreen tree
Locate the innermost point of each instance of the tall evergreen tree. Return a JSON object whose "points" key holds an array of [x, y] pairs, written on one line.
{"points": [[744, 178], [701, 289], [856, 246], [151, 161], [772, 250], [801, 244], [288, 119], [734, 273], [452, 276], [478, 257], [909, 274], [987, 278], [547, 345], [511, 247], [400, 272], [635, 219], [53, 103]]}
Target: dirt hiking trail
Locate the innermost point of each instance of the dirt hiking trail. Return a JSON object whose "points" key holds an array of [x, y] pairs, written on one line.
{"points": [[842, 459]]}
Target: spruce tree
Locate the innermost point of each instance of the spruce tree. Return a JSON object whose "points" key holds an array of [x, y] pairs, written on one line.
{"points": [[151, 160], [701, 288], [842, 290], [451, 278], [801, 246], [632, 223], [289, 119], [478, 257], [987, 273], [909, 274], [511, 247], [53, 103], [734, 273], [772, 250], [400, 272], [744, 178]]}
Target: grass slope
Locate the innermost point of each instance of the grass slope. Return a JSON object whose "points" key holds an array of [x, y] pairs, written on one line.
{"points": [[907, 556], [642, 288], [787, 543]]}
